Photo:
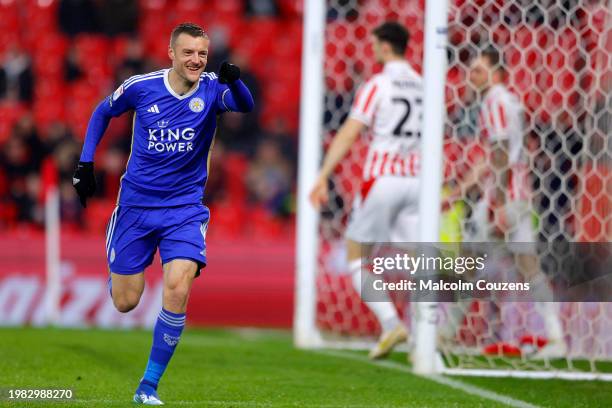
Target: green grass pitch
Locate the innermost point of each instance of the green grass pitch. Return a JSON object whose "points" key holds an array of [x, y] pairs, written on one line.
{"points": [[247, 368]]}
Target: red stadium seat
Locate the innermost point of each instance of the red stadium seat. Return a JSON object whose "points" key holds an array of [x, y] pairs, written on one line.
{"points": [[228, 219], [118, 48], [48, 111], [8, 215], [228, 7], [51, 45], [236, 166], [194, 7], [10, 17], [10, 112], [152, 6], [93, 52], [263, 225], [290, 9], [98, 213], [9, 39]]}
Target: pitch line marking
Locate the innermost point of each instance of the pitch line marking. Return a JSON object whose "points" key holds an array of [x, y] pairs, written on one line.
{"points": [[453, 383]]}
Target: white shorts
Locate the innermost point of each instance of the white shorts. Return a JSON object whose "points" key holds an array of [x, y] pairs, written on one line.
{"points": [[386, 212]]}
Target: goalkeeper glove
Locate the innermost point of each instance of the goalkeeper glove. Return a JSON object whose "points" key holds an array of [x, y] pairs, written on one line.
{"points": [[228, 73], [84, 181]]}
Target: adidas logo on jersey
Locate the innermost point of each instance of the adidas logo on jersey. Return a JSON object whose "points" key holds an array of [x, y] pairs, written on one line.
{"points": [[153, 109]]}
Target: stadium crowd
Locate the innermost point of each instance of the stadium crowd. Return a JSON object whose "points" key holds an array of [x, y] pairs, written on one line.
{"points": [[74, 53]]}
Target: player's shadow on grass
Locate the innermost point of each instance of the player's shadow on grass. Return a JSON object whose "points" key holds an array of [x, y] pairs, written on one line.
{"points": [[104, 358]]}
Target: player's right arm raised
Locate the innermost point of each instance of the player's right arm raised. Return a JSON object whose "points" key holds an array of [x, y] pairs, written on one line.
{"points": [[341, 144]]}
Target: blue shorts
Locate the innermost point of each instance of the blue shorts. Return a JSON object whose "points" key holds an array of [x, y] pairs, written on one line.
{"points": [[133, 235]]}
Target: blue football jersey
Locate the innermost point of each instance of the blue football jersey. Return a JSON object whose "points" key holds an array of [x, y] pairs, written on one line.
{"points": [[172, 137]]}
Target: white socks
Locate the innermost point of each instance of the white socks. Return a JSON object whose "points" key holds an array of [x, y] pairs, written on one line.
{"points": [[541, 290], [385, 311]]}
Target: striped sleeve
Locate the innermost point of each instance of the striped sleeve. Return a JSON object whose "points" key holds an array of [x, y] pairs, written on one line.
{"points": [[366, 102], [498, 116], [125, 97]]}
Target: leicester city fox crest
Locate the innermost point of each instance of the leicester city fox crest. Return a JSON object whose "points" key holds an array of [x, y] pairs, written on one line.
{"points": [[171, 340], [196, 105]]}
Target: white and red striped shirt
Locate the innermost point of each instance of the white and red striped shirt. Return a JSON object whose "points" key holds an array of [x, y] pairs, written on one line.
{"points": [[390, 104], [501, 119]]}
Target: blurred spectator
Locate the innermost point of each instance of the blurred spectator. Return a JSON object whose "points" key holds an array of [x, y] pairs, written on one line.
{"points": [[278, 130], [16, 76], [72, 66], [77, 16], [217, 177], [117, 16], [23, 181], [241, 132], [111, 17], [236, 134], [16, 158], [65, 154], [219, 48], [57, 133], [269, 178], [25, 130], [111, 167], [133, 62], [71, 209], [261, 8], [251, 81]]}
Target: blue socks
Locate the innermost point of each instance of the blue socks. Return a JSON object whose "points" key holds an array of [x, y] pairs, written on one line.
{"points": [[166, 335]]}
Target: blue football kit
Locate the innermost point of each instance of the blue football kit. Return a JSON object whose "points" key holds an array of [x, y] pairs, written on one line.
{"points": [[161, 192]]}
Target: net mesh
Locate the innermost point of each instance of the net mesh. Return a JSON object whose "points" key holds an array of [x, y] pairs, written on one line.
{"points": [[557, 55]]}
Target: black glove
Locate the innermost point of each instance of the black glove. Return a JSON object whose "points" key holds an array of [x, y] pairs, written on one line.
{"points": [[228, 73], [84, 181]]}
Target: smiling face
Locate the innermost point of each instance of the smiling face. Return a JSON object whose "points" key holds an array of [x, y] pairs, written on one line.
{"points": [[189, 55]]}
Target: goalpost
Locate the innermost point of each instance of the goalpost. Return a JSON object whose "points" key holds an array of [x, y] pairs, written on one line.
{"points": [[558, 64]]}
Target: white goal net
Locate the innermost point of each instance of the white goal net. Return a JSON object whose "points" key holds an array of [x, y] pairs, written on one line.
{"points": [[556, 55]]}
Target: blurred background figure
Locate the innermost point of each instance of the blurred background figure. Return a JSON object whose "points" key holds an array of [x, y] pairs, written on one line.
{"points": [[269, 178], [16, 76]]}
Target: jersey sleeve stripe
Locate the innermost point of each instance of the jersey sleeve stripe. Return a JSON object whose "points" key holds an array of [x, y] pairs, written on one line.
{"points": [[369, 99], [135, 77], [143, 79], [491, 118], [357, 98], [502, 115], [482, 124]]}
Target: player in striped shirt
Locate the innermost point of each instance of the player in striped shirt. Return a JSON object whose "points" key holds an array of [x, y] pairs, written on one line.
{"points": [[161, 192], [390, 105], [501, 174]]}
